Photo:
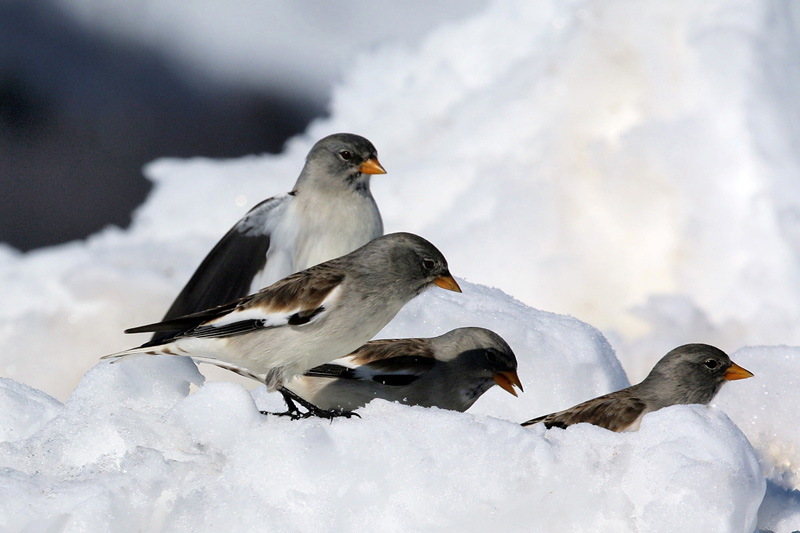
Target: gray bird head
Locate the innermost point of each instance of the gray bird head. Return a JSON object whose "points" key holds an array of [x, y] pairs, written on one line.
{"points": [[405, 264], [692, 373], [483, 354], [342, 161]]}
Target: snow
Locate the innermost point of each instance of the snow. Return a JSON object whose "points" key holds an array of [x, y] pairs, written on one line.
{"points": [[608, 180], [762, 407], [131, 444]]}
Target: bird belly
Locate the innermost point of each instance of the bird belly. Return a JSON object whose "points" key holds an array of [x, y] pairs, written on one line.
{"points": [[327, 393], [288, 351]]}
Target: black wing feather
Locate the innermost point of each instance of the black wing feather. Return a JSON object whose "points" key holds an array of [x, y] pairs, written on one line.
{"points": [[187, 322], [167, 331], [298, 319], [228, 270], [391, 370], [330, 370], [228, 330], [341, 372], [395, 380], [224, 275]]}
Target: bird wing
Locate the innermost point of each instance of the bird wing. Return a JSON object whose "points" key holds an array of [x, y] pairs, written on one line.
{"points": [[389, 362], [228, 270], [298, 300], [612, 411]]}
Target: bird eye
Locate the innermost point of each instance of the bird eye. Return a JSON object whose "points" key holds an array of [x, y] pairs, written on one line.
{"points": [[346, 155], [428, 264], [711, 363], [492, 356]]}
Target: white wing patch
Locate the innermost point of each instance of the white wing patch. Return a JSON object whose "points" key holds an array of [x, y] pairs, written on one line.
{"points": [[276, 318], [253, 313], [367, 371], [262, 219], [346, 362]]}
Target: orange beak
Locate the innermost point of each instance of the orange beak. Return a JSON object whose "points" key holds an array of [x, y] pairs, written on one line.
{"points": [[371, 166], [507, 380], [736, 372], [447, 282]]}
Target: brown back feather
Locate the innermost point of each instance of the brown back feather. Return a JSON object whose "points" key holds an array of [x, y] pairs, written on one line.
{"points": [[613, 411], [380, 351], [310, 286], [282, 295]]}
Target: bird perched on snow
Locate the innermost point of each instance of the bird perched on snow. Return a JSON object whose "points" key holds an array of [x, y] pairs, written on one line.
{"points": [[308, 318], [450, 371], [330, 212], [692, 373]]}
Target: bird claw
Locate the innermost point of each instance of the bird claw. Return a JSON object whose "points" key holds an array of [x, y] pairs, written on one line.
{"points": [[330, 414], [294, 413]]}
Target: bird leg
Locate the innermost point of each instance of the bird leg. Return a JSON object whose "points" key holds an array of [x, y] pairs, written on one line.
{"points": [[292, 410], [312, 410]]}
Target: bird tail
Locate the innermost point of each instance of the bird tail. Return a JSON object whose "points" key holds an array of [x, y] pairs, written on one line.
{"points": [[141, 350], [533, 421]]}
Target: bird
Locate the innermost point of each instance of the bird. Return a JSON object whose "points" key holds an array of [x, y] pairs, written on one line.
{"points": [[688, 374], [308, 318], [450, 371], [328, 213]]}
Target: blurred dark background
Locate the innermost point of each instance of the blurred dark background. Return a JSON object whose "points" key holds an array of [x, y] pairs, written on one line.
{"points": [[81, 113]]}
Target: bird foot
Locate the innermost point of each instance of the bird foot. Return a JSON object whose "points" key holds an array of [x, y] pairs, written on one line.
{"points": [[330, 414], [295, 413]]}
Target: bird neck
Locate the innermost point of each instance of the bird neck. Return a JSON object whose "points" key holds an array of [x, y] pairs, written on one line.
{"points": [[662, 391], [314, 180]]}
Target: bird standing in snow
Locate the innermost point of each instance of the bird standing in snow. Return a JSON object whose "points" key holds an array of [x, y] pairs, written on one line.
{"points": [[329, 213], [450, 371], [308, 318], [692, 373]]}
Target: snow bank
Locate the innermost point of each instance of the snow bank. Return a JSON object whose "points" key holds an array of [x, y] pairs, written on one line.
{"points": [[131, 451], [765, 409]]}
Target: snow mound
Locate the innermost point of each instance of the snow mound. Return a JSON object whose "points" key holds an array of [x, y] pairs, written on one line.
{"points": [[132, 447], [765, 409]]}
